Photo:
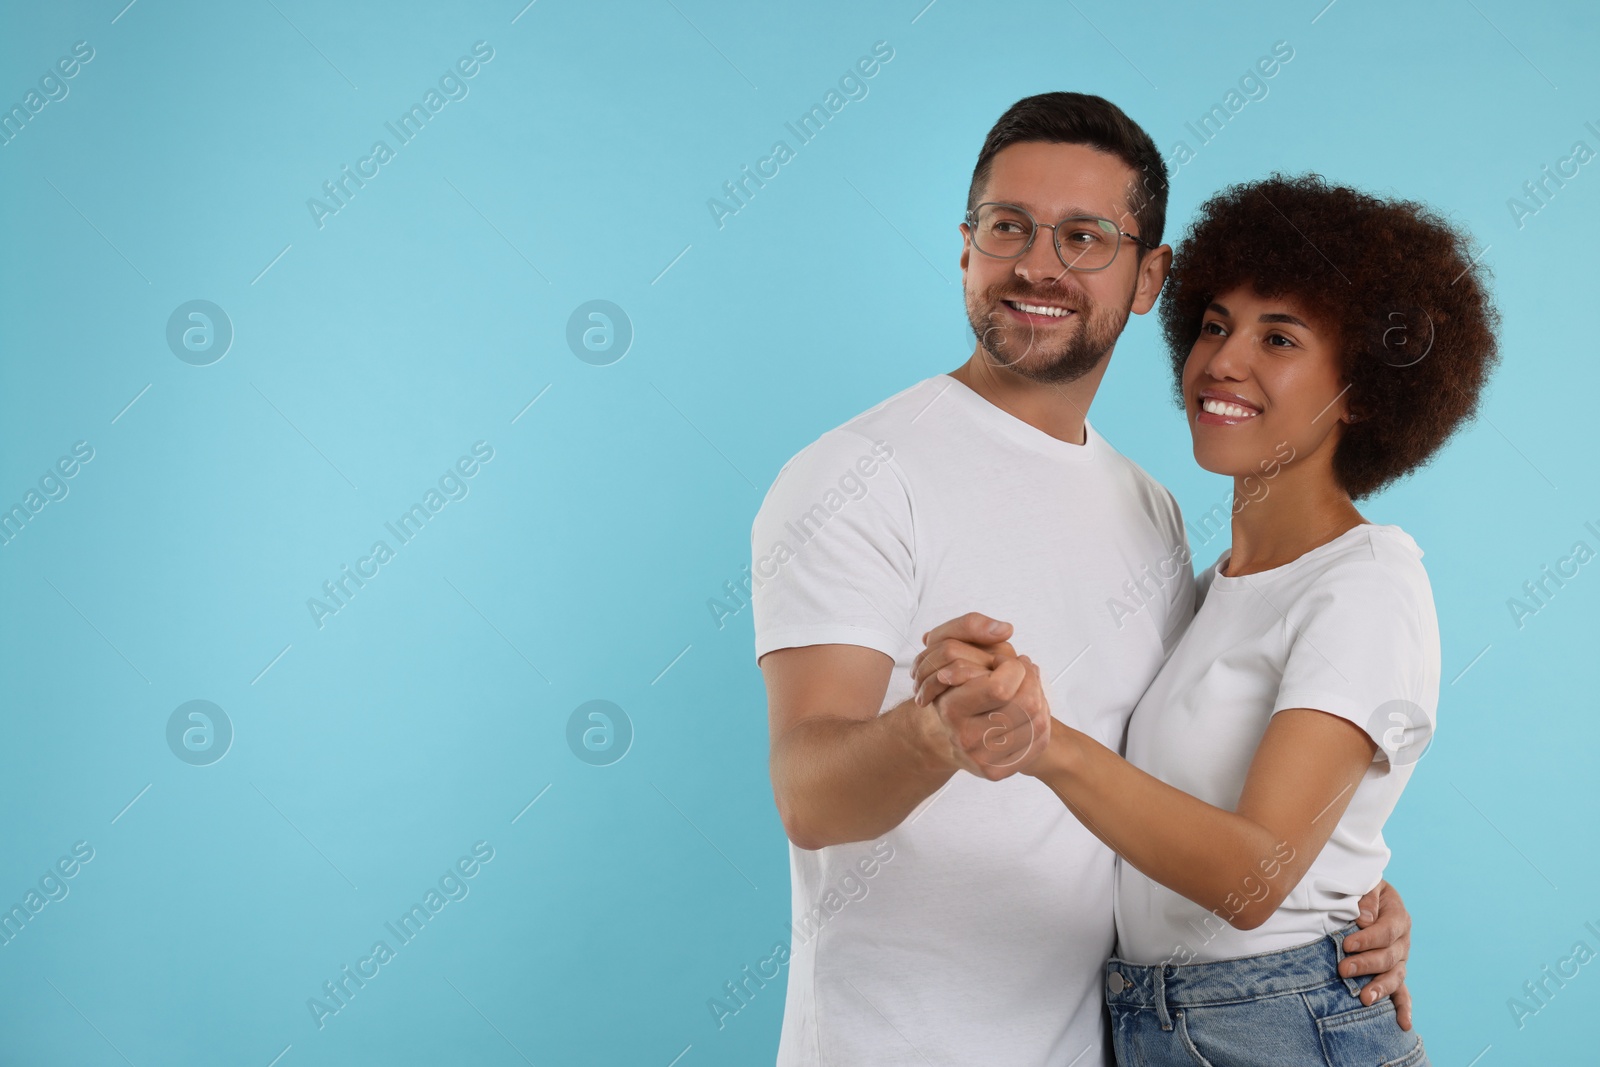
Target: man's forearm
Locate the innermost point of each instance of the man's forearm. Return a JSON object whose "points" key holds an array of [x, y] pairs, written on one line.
{"points": [[839, 779]]}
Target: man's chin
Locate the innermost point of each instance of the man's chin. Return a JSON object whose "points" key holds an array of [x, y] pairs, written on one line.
{"points": [[1045, 367]]}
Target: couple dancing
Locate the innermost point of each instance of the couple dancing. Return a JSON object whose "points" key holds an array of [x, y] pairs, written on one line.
{"points": [[1131, 811]]}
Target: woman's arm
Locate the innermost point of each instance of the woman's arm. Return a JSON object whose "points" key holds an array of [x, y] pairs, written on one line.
{"points": [[1239, 864]]}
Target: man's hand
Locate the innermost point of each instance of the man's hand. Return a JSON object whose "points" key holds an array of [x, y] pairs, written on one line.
{"points": [[1381, 947], [998, 720], [971, 638]]}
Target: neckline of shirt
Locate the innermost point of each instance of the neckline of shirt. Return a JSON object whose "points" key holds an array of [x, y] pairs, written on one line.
{"points": [[1361, 531], [1019, 432]]}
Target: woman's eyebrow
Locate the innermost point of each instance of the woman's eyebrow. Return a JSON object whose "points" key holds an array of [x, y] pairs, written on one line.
{"points": [[1219, 309], [1281, 317]]}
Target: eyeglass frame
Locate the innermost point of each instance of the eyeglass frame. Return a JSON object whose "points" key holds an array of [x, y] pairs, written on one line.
{"points": [[971, 221]]}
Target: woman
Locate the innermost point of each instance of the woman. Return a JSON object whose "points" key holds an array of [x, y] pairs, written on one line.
{"points": [[1324, 343]]}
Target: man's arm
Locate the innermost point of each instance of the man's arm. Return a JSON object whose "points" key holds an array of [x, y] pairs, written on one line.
{"points": [[843, 772], [1381, 947]]}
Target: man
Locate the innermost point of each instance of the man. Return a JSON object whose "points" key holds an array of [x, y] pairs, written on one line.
{"points": [[961, 918]]}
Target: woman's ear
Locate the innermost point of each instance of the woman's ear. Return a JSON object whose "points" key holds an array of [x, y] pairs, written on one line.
{"points": [[1352, 413]]}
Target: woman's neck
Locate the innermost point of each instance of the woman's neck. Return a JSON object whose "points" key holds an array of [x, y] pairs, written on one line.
{"points": [[1284, 518]]}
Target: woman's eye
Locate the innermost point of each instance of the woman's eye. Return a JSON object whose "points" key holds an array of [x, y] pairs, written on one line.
{"points": [[1213, 328], [1274, 339]]}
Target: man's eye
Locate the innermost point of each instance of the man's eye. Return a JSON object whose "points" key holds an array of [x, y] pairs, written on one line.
{"points": [[1083, 237]]}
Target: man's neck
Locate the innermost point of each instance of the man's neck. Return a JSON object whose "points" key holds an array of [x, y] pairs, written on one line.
{"points": [[1059, 409]]}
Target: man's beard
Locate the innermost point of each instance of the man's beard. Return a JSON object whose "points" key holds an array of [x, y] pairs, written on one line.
{"points": [[1017, 346]]}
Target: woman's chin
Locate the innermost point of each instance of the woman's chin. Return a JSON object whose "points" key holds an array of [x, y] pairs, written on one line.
{"points": [[1227, 465]]}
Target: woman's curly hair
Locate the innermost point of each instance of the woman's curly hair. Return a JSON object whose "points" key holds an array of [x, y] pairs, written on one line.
{"points": [[1393, 280]]}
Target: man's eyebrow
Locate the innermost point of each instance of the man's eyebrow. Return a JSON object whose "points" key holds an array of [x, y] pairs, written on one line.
{"points": [[1074, 211]]}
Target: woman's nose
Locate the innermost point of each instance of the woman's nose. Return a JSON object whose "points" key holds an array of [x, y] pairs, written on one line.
{"points": [[1230, 359]]}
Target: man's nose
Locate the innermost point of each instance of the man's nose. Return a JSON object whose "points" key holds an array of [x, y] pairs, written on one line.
{"points": [[1040, 262]]}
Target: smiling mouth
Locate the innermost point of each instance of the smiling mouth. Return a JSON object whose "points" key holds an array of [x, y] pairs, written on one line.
{"points": [[1048, 311], [1222, 407]]}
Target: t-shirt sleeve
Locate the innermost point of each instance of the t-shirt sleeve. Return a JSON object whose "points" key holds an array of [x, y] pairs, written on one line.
{"points": [[1364, 645], [832, 549]]}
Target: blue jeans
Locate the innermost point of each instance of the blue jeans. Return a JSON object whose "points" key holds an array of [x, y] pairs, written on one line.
{"points": [[1276, 1009]]}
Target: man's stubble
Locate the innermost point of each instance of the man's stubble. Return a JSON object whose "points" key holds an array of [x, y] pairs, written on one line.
{"points": [[1092, 333]]}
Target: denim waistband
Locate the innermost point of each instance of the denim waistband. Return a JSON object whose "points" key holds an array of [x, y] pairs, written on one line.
{"points": [[1170, 986]]}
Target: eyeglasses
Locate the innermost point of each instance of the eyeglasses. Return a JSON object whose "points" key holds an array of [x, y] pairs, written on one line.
{"points": [[1083, 242]]}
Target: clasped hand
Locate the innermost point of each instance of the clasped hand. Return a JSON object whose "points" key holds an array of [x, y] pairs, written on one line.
{"points": [[987, 709]]}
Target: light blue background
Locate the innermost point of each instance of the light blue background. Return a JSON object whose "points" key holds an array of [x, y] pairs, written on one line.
{"points": [[370, 753]]}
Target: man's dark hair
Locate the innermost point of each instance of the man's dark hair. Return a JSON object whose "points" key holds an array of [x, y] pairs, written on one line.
{"points": [[1078, 118], [1393, 281]]}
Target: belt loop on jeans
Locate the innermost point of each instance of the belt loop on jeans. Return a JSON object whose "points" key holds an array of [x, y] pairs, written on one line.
{"points": [[1159, 974]]}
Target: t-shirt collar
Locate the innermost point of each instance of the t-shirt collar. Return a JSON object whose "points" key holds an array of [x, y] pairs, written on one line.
{"points": [[1016, 430]]}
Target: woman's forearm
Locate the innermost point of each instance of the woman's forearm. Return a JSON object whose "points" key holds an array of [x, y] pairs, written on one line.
{"points": [[1219, 859]]}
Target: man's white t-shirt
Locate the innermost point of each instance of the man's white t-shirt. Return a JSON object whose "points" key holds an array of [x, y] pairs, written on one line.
{"points": [[1348, 628], [982, 936]]}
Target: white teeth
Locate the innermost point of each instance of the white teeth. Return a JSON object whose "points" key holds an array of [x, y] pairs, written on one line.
{"points": [[1222, 407], [1040, 309]]}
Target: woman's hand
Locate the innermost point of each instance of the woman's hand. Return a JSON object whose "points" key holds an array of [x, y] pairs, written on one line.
{"points": [[972, 639], [1001, 715]]}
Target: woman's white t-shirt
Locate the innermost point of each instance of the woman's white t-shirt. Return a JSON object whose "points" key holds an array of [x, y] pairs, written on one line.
{"points": [[1348, 628]]}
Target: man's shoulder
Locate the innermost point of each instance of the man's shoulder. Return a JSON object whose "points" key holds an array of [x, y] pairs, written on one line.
{"points": [[857, 460], [878, 428], [1154, 498], [896, 413]]}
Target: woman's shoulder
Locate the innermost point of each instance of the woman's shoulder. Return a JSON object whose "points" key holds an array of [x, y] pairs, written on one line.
{"points": [[1377, 550], [1366, 614], [1373, 568]]}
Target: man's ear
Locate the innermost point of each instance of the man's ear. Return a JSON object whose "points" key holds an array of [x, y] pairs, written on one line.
{"points": [[1152, 277]]}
